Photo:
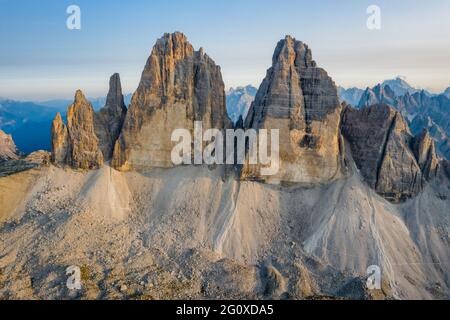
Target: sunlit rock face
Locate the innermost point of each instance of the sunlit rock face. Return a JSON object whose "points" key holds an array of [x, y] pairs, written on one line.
{"points": [[178, 86], [76, 144]]}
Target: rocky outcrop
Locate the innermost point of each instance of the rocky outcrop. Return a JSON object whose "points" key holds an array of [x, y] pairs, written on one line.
{"points": [[390, 159], [421, 110], [425, 153], [39, 157], [109, 120], [8, 149], [300, 100], [76, 144], [60, 141], [13, 161], [178, 86]]}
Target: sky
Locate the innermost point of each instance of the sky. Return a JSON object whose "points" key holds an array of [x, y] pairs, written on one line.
{"points": [[40, 58]]}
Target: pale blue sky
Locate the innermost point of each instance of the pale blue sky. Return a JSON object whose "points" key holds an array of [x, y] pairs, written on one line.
{"points": [[41, 59]]}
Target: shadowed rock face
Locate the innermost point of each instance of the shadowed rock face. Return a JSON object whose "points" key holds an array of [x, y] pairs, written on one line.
{"points": [[390, 159], [76, 144], [300, 100], [109, 120], [178, 86]]}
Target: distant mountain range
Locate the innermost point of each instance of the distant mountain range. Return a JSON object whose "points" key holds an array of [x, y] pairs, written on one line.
{"points": [[398, 85], [239, 100]]}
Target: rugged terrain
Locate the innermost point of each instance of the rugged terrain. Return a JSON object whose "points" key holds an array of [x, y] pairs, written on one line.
{"points": [[356, 188]]}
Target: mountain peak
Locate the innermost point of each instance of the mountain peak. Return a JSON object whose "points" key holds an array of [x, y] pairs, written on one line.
{"points": [[293, 52], [178, 84], [300, 100], [79, 96], [399, 86]]}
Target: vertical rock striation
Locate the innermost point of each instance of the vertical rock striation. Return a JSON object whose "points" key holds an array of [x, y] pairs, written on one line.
{"points": [[76, 144], [178, 86], [60, 141], [300, 100], [108, 121], [390, 159]]}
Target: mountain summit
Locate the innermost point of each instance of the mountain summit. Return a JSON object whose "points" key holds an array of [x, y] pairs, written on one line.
{"points": [[300, 100], [178, 86]]}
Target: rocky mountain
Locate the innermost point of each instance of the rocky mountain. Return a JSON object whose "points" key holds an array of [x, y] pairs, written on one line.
{"points": [[351, 96], [109, 120], [399, 86], [391, 160], [421, 110], [178, 86], [300, 100], [8, 149], [378, 95], [238, 101], [76, 143], [88, 138], [356, 188]]}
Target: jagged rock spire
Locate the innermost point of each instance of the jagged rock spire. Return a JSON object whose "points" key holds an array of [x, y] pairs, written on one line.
{"points": [[178, 86], [76, 144], [109, 120], [60, 140]]}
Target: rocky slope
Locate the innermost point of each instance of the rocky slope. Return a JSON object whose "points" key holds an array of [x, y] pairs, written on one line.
{"points": [[178, 86], [300, 100]]}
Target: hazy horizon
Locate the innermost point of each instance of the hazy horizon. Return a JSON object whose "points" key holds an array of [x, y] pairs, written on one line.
{"points": [[44, 60]]}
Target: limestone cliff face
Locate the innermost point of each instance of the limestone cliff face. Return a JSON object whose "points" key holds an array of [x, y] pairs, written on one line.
{"points": [[178, 86], [300, 100], [76, 144], [109, 120], [390, 159], [8, 149]]}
